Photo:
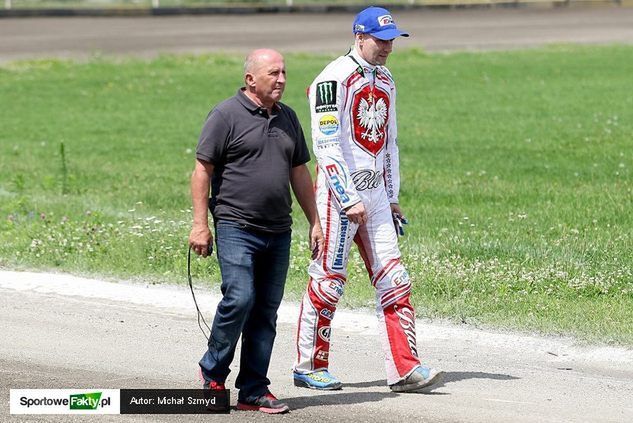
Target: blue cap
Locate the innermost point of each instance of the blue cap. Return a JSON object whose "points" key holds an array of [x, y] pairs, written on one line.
{"points": [[377, 22]]}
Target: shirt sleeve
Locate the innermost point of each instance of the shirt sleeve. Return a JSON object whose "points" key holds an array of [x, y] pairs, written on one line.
{"points": [[326, 99], [213, 138], [392, 158], [301, 154]]}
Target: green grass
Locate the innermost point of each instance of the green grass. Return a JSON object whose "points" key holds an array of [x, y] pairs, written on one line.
{"points": [[516, 170]]}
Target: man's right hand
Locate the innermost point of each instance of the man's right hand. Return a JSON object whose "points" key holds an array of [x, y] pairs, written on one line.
{"points": [[356, 213], [200, 239]]}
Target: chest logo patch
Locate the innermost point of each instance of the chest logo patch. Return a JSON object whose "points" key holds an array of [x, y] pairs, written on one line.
{"points": [[370, 115]]}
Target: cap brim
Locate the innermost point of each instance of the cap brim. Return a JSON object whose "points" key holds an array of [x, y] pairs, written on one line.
{"points": [[389, 34]]}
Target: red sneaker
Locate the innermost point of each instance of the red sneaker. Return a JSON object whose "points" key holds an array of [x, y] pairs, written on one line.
{"points": [[213, 385], [267, 403]]}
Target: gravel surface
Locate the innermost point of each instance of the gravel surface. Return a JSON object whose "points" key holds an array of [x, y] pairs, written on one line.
{"points": [[61, 331]]}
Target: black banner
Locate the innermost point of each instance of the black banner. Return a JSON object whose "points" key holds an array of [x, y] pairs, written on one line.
{"points": [[174, 401]]}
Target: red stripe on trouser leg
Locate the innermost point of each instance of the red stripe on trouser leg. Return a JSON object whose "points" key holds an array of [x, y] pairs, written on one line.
{"points": [[324, 296], [400, 325]]}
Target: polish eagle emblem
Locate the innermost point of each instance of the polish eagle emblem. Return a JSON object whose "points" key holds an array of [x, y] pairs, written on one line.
{"points": [[372, 117]]}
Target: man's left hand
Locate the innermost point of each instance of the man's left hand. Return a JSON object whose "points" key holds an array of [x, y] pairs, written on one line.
{"points": [[395, 209], [398, 218], [316, 241]]}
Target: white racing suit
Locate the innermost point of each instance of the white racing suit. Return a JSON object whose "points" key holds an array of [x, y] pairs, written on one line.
{"points": [[352, 106]]}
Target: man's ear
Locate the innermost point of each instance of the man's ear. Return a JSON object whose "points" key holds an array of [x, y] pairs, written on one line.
{"points": [[249, 79]]}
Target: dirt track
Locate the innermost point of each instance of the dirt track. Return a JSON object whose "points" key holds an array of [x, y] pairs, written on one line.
{"points": [[60, 331], [433, 30]]}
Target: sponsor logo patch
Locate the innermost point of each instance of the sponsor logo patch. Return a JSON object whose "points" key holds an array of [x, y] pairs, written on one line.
{"points": [[406, 318], [385, 20], [324, 333], [367, 179], [337, 288], [341, 242], [325, 143], [334, 175], [326, 97], [322, 355], [400, 278], [328, 125], [327, 313]]}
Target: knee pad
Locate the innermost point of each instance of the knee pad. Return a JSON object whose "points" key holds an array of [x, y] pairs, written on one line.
{"points": [[326, 291], [393, 286]]}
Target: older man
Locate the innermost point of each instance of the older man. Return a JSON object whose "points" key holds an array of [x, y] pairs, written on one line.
{"points": [[353, 108], [251, 149]]}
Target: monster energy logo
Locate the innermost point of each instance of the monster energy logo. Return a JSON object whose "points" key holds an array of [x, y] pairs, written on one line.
{"points": [[326, 96], [325, 91]]}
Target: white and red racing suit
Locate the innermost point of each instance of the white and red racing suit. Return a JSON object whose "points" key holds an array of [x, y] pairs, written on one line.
{"points": [[353, 114]]}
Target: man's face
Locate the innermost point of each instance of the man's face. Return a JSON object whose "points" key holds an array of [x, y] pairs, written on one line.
{"points": [[269, 79], [375, 50]]}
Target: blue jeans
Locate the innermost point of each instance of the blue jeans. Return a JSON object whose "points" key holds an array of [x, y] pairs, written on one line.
{"points": [[254, 266]]}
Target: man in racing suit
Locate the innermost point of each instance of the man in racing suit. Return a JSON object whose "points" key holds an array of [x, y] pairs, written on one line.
{"points": [[353, 115]]}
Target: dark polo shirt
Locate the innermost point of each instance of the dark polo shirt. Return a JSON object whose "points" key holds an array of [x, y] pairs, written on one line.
{"points": [[253, 154]]}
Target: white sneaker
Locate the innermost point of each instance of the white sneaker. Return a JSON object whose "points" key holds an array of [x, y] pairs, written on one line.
{"points": [[421, 377]]}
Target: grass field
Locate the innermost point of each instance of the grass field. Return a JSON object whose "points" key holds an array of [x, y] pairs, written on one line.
{"points": [[516, 169]]}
